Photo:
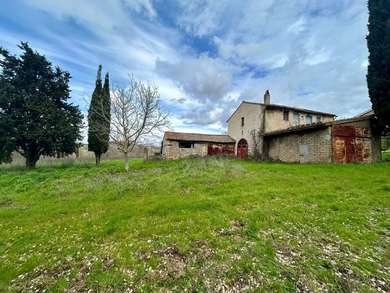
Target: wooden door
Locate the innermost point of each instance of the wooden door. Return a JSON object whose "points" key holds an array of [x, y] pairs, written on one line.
{"points": [[242, 149]]}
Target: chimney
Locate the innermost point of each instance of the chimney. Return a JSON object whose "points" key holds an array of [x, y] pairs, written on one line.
{"points": [[267, 98]]}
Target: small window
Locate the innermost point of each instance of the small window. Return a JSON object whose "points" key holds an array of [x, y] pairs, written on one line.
{"points": [[185, 144], [309, 119], [242, 121], [285, 115], [296, 119], [318, 118]]}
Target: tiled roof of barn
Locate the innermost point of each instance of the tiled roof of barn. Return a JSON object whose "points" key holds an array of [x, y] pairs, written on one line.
{"points": [[182, 136]]}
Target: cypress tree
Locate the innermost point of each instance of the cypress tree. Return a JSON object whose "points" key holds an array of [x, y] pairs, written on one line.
{"points": [[378, 76], [96, 123], [107, 111]]}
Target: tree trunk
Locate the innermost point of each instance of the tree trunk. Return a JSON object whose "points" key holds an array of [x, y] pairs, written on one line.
{"points": [[126, 159], [97, 158], [31, 161]]}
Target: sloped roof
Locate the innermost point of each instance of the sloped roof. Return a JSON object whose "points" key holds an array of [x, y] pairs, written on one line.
{"points": [[182, 136], [299, 128], [307, 127], [366, 113], [275, 106], [283, 107]]}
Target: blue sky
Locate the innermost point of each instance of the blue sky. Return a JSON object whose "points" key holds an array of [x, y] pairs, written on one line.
{"points": [[205, 56]]}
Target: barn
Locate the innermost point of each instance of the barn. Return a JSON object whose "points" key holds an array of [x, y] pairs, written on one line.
{"points": [[177, 145], [340, 141]]}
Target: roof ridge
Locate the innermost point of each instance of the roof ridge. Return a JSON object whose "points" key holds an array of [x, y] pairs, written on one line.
{"points": [[281, 106], [195, 133]]}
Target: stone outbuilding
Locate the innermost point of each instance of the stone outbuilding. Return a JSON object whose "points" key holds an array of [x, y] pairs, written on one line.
{"points": [[177, 145], [341, 141]]}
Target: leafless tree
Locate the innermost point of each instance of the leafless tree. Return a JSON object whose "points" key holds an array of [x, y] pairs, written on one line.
{"points": [[135, 113]]}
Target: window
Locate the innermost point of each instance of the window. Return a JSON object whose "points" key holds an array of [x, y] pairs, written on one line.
{"points": [[296, 119], [285, 115], [309, 119], [242, 121], [318, 118], [185, 144]]}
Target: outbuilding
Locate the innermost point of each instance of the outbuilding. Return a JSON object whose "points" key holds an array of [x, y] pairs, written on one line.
{"points": [[177, 145], [340, 141]]}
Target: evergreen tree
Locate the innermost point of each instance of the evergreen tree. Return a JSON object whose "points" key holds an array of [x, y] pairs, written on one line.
{"points": [[107, 111], [99, 117], [35, 116], [378, 77], [95, 115]]}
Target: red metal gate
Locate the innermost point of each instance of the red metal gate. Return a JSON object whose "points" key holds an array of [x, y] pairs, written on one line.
{"points": [[220, 149], [242, 149], [350, 144]]}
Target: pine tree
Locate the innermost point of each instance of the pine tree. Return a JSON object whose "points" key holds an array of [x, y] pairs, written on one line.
{"points": [[96, 123], [378, 77], [35, 116]]}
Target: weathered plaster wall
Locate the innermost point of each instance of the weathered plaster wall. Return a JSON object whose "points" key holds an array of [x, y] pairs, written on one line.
{"points": [[274, 119], [252, 114]]}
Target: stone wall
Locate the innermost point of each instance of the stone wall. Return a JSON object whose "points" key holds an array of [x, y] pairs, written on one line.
{"points": [[305, 147], [84, 155], [172, 151]]}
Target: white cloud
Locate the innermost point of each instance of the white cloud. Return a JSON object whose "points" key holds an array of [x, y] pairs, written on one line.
{"points": [[310, 53], [203, 78], [313, 51], [297, 27]]}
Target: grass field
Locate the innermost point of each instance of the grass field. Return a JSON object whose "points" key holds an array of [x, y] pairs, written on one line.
{"points": [[200, 225]]}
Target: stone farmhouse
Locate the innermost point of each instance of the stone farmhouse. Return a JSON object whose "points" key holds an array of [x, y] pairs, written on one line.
{"points": [[282, 133]]}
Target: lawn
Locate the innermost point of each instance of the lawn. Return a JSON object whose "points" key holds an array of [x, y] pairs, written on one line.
{"points": [[196, 225]]}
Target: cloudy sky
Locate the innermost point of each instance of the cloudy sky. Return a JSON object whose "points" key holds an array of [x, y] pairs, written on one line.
{"points": [[205, 56]]}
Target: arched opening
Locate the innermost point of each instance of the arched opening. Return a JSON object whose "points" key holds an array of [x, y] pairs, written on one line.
{"points": [[242, 149]]}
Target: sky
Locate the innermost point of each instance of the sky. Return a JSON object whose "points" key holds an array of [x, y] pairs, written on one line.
{"points": [[205, 56]]}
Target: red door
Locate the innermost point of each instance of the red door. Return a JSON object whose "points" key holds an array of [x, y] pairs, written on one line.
{"points": [[350, 144], [242, 149]]}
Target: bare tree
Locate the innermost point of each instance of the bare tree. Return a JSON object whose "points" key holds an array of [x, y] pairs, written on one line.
{"points": [[135, 113]]}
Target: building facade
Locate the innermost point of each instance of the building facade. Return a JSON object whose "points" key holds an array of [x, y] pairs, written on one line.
{"points": [[282, 133], [248, 124]]}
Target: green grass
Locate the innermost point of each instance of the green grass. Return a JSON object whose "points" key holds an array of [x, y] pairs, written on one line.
{"points": [[200, 225]]}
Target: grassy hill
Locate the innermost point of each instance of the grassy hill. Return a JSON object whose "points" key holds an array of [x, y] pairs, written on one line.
{"points": [[204, 225]]}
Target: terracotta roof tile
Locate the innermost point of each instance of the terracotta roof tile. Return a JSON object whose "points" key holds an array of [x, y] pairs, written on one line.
{"points": [[169, 135]]}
